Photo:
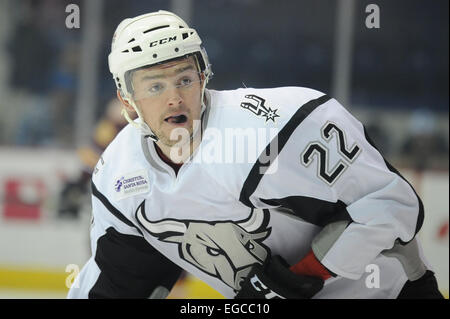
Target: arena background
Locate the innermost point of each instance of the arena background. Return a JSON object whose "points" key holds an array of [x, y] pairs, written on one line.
{"points": [[57, 109]]}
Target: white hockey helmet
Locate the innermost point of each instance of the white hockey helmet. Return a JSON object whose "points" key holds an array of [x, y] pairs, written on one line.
{"points": [[150, 39]]}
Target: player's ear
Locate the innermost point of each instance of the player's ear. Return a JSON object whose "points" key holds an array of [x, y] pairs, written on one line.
{"points": [[124, 102]]}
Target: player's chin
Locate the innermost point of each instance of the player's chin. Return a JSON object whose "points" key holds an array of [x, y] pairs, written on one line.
{"points": [[178, 135]]}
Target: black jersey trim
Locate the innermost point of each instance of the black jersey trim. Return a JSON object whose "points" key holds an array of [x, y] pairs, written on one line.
{"points": [[111, 208], [130, 267], [312, 210], [255, 175], [391, 168]]}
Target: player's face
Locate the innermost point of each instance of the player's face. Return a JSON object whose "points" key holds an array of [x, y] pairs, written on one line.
{"points": [[169, 97]]}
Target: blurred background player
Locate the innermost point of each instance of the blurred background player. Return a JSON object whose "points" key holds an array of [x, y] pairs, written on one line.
{"points": [[76, 191]]}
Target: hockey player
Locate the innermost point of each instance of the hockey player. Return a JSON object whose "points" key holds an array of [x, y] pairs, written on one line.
{"points": [[315, 213]]}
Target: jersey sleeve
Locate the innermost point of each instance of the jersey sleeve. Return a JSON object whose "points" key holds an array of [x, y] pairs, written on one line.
{"points": [[123, 263], [325, 169]]}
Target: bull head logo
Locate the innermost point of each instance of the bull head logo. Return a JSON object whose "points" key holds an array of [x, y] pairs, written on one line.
{"points": [[223, 249]]}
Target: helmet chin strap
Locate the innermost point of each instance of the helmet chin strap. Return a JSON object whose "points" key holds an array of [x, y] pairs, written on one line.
{"points": [[140, 124], [143, 127]]}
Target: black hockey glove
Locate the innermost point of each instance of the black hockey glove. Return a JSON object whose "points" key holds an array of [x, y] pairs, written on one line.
{"points": [[274, 280]]}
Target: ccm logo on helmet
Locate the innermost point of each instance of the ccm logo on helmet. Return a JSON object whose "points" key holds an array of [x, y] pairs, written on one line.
{"points": [[162, 41]]}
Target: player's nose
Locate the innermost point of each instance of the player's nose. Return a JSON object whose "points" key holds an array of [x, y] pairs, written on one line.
{"points": [[174, 98]]}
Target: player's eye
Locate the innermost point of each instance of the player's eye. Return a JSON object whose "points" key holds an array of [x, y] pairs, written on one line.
{"points": [[156, 88], [185, 82]]}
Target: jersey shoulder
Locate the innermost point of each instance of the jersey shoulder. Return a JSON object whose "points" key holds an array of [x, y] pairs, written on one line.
{"points": [[243, 123], [250, 107]]}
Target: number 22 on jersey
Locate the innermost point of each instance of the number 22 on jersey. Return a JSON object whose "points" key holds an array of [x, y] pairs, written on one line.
{"points": [[321, 151]]}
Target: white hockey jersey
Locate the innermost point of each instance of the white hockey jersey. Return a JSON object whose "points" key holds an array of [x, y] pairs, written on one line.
{"points": [[274, 167]]}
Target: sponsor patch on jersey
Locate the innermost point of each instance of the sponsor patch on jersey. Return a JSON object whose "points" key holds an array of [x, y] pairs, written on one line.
{"points": [[131, 184]]}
